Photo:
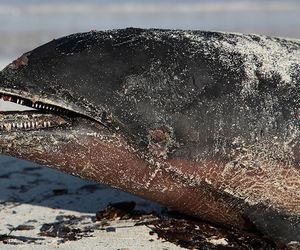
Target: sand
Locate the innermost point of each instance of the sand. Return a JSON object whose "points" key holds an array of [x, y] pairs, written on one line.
{"points": [[32, 195]]}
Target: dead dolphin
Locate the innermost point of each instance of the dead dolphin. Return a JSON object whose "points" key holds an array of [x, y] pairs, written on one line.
{"points": [[207, 123]]}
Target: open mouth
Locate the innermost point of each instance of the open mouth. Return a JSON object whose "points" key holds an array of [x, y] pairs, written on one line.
{"points": [[35, 115]]}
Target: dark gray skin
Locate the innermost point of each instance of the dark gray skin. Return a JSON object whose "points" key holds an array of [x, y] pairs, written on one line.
{"points": [[204, 122]]}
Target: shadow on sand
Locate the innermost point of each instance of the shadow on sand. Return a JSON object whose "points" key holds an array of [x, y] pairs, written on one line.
{"points": [[25, 182]]}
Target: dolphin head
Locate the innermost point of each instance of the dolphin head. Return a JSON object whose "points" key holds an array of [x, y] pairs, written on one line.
{"points": [[102, 76], [92, 116], [104, 103], [75, 86], [78, 75], [160, 114], [119, 79]]}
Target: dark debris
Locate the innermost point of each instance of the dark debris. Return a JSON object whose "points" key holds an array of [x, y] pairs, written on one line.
{"points": [[23, 228], [186, 231], [16, 240], [176, 228], [68, 228], [194, 234], [120, 210]]}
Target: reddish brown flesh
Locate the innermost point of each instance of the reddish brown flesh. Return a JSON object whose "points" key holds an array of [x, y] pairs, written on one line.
{"points": [[110, 162], [212, 190]]}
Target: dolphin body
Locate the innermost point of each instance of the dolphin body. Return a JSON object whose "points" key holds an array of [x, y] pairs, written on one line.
{"points": [[207, 123]]}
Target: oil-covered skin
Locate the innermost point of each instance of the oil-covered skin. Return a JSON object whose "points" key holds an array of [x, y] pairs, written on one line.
{"points": [[204, 122]]}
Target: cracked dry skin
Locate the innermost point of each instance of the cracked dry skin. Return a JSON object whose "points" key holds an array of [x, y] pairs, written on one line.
{"points": [[204, 122]]}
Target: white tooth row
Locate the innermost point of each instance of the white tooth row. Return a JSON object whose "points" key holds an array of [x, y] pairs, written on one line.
{"points": [[45, 106], [47, 124], [9, 126], [20, 101], [36, 105]]}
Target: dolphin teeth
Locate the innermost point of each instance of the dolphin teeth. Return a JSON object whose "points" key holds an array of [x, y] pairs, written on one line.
{"points": [[21, 102], [25, 125], [28, 124], [14, 125], [49, 124], [45, 124], [32, 124], [18, 101]]}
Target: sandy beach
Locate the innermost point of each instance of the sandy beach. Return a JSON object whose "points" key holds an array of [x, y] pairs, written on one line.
{"points": [[34, 197]]}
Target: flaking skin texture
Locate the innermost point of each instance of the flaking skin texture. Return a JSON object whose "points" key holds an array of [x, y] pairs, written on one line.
{"points": [[209, 120]]}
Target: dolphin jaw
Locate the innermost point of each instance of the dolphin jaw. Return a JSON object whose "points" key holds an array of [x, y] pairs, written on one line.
{"points": [[31, 120], [45, 114], [53, 104]]}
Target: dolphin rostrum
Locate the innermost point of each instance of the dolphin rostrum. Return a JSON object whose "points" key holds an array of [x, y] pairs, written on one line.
{"points": [[207, 123]]}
